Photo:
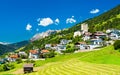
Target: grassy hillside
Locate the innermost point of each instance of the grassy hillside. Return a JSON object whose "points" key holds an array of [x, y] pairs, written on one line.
{"points": [[105, 56], [102, 62], [75, 67]]}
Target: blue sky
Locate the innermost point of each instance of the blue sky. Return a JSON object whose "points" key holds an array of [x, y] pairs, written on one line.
{"points": [[21, 19]]}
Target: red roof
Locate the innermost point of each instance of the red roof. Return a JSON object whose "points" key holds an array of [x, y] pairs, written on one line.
{"points": [[14, 56], [45, 51], [33, 51]]}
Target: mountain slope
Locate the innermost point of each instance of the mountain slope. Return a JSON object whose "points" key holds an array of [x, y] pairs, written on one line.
{"points": [[5, 49], [19, 44], [12, 47], [43, 34]]}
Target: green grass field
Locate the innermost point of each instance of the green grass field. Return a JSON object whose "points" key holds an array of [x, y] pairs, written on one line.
{"points": [[103, 62]]}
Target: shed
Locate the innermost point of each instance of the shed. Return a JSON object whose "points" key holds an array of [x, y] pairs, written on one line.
{"points": [[27, 68]]}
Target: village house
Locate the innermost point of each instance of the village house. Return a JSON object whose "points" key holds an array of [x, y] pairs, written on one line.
{"points": [[82, 46], [44, 51], [108, 31], [22, 54], [12, 57], [100, 34], [60, 48], [87, 36], [114, 34], [54, 46], [65, 42], [48, 46], [77, 33], [51, 46], [96, 43], [34, 54]]}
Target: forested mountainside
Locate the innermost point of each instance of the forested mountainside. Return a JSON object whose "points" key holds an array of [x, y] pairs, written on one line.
{"points": [[12, 47]]}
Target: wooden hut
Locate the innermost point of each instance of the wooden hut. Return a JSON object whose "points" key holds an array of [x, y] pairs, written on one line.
{"points": [[27, 68]]}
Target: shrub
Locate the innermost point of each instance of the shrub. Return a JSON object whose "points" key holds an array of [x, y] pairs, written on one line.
{"points": [[19, 60], [24, 56], [70, 48], [49, 54], [1, 68], [29, 61], [117, 45], [32, 61], [8, 66]]}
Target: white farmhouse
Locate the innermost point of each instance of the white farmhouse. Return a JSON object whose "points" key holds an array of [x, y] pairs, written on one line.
{"points": [[61, 48], [77, 33]]}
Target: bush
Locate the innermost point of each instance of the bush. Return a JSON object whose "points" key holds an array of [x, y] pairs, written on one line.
{"points": [[70, 48], [29, 61], [6, 67], [117, 45], [32, 61], [19, 60], [24, 56], [1, 68], [49, 54]]}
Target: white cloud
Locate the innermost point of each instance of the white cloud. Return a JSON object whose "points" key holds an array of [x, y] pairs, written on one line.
{"points": [[72, 16], [45, 21], [70, 20], [38, 19], [37, 29], [94, 11], [4, 43], [57, 21], [28, 27]]}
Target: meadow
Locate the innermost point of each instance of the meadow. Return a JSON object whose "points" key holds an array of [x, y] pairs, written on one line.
{"points": [[105, 61]]}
